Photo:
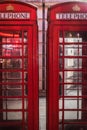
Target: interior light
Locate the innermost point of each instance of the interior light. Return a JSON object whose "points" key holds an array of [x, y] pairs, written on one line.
{"points": [[8, 34]]}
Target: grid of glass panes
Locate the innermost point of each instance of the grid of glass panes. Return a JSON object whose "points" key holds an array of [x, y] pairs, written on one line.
{"points": [[73, 78], [13, 79]]}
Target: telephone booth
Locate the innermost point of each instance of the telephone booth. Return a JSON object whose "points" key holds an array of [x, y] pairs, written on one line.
{"points": [[67, 67], [18, 67]]}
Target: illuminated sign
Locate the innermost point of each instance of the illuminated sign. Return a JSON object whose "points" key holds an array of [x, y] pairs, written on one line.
{"points": [[71, 16], [21, 15]]}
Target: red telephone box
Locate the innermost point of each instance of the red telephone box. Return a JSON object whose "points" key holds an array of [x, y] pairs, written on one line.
{"points": [[67, 67], [18, 67]]}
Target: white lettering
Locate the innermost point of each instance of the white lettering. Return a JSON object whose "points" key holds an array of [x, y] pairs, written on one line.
{"points": [[71, 16], [76, 16], [21, 15], [68, 16], [64, 16]]}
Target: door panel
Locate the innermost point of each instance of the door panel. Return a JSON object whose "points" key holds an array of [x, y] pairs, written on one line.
{"points": [[14, 87], [72, 78]]}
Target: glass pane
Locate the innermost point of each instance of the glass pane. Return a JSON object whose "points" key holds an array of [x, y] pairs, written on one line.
{"points": [[12, 108], [26, 84], [11, 50], [60, 50], [72, 115], [84, 50], [10, 36], [26, 118], [11, 81], [84, 89], [11, 75], [73, 89], [26, 104], [13, 115], [73, 76], [73, 36], [60, 37], [25, 37], [60, 103], [12, 63], [25, 63], [73, 103], [11, 90], [73, 63], [73, 50], [60, 63], [60, 115], [12, 103], [25, 50], [60, 77]]}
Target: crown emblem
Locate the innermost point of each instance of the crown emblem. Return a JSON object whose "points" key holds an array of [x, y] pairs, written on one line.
{"points": [[76, 8], [9, 8]]}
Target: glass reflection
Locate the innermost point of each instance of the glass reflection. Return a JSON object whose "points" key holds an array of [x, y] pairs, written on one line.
{"points": [[73, 36], [25, 50], [25, 36], [13, 61], [73, 63], [12, 90], [73, 72], [73, 89], [73, 77], [73, 50]]}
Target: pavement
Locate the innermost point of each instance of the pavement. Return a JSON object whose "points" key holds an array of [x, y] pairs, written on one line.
{"points": [[42, 113], [69, 115]]}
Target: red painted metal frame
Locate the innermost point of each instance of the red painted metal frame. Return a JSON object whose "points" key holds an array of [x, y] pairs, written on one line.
{"points": [[54, 27], [52, 79], [29, 25]]}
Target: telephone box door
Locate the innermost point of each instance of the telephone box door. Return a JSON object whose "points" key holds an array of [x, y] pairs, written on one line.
{"points": [[72, 94], [18, 78], [67, 78]]}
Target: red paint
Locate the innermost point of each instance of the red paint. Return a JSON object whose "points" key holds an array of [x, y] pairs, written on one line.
{"points": [[13, 33], [56, 26]]}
